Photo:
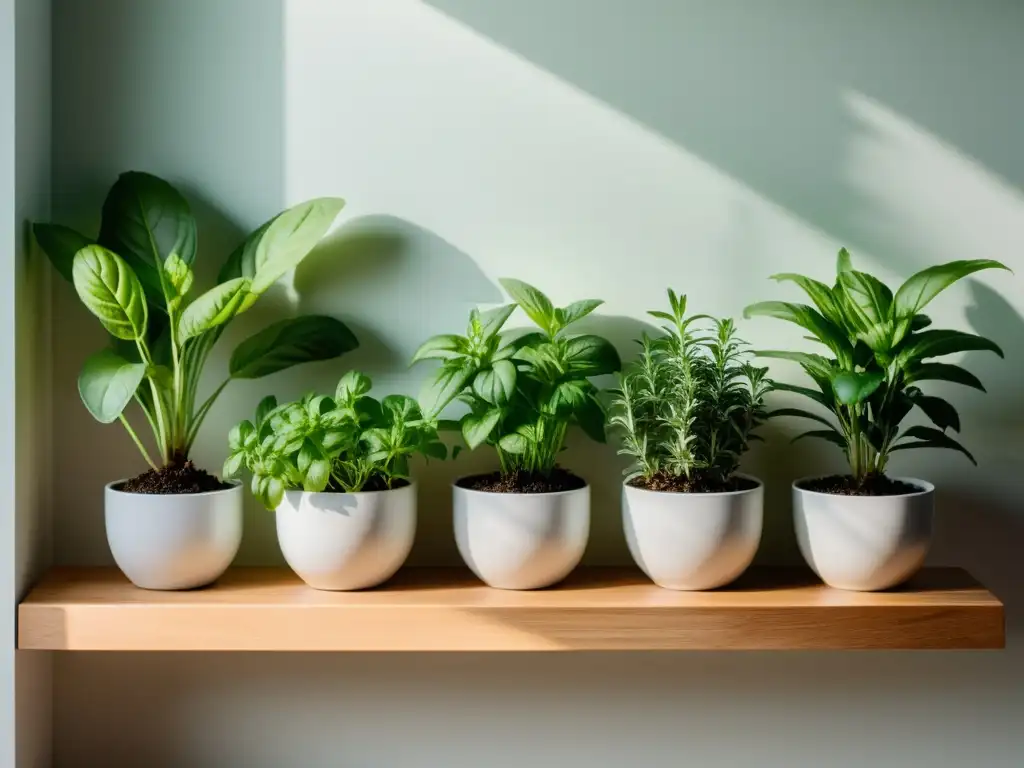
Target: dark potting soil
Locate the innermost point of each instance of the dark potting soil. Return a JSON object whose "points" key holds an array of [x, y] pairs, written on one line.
{"points": [[174, 478], [872, 485], [524, 482], [673, 484]]}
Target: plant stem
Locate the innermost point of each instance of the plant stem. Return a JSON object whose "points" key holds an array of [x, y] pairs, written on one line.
{"points": [[138, 442], [197, 420]]}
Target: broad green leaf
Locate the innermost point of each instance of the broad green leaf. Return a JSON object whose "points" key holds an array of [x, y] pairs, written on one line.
{"points": [[442, 387], [514, 443], [818, 292], [943, 372], [591, 418], [273, 492], [289, 238], [814, 394], [577, 311], [265, 408], [435, 450], [144, 221], [496, 384], [816, 365], [831, 435], [60, 244], [493, 320], [929, 437], [442, 347], [941, 413], [242, 261], [476, 429], [107, 384], [937, 343], [802, 414], [317, 476], [232, 465], [291, 342], [178, 277], [868, 295], [401, 409], [852, 387], [533, 302], [213, 308], [352, 386], [591, 356], [110, 290], [823, 329], [921, 288], [843, 262]]}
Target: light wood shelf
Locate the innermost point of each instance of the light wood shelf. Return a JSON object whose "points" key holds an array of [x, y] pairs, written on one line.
{"points": [[446, 609]]}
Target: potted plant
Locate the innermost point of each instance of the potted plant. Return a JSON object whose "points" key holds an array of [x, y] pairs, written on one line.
{"points": [[336, 470], [526, 525], [686, 412], [176, 526], [867, 530]]}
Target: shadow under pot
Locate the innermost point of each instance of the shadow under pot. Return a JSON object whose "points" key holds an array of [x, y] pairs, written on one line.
{"points": [[347, 541], [693, 541], [864, 543], [521, 540], [176, 540]]}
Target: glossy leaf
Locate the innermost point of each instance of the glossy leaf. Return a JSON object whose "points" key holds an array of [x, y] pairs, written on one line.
{"points": [[814, 394], [577, 311], [514, 443], [242, 261], [107, 384], [476, 429], [818, 292], [352, 386], [289, 237], [178, 277], [145, 220], [60, 244], [591, 356], [851, 387], [493, 320], [921, 288], [215, 307], [111, 291], [291, 342], [442, 387], [937, 343], [591, 418], [808, 318], [442, 347], [266, 406], [942, 414], [496, 384], [533, 302], [817, 365], [954, 374], [929, 437]]}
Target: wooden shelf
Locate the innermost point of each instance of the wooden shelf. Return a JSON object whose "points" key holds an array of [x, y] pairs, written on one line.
{"points": [[431, 609]]}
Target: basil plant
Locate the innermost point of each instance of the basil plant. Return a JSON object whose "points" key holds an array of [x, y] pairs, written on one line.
{"points": [[347, 443], [137, 278], [522, 392], [880, 349]]}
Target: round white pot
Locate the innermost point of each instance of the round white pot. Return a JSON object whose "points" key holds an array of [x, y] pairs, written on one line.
{"points": [[346, 541], [173, 541], [864, 543], [693, 540], [521, 540]]}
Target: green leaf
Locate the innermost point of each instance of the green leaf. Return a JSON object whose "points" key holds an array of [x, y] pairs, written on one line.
{"points": [[265, 408], [352, 386], [813, 394], [178, 276], [318, 475], [928, 437], [213, 308], [291, 342], [802, 414], [401, 409], [493, 320], [533, 302], [942, 414], [937, 343], [273, 492], [831, 435], [107, 384], [442, 387], [943, 372], [111, 291], [591, 418], [843, 262], [823, 329], [852, 387], [289, 238], [817, 291], [145, 220], [921, 288], [514, 443], [476, 429], [60, 244], [496, 384], [242, 261], [435, 450], [867, 295], [591, 356], [816, 365], [232, 465], [442, 347], [577, 311]]}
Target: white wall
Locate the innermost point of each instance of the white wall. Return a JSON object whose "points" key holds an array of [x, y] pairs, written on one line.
{"points": [[600, 148], [25, 698]]}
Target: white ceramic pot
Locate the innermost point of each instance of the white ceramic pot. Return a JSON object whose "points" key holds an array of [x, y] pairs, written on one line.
{"points": [[173, 541], [864, 543], [345, 541], [693, 540], [521, 540]]}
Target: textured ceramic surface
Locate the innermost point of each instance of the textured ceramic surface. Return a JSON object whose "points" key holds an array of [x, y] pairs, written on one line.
{"points": [[521, 540], [864, 543], [346, 541], [693, 541], [173, 541]]}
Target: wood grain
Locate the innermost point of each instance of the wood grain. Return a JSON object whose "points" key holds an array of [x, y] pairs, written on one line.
{"points": [[428, 609]]}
